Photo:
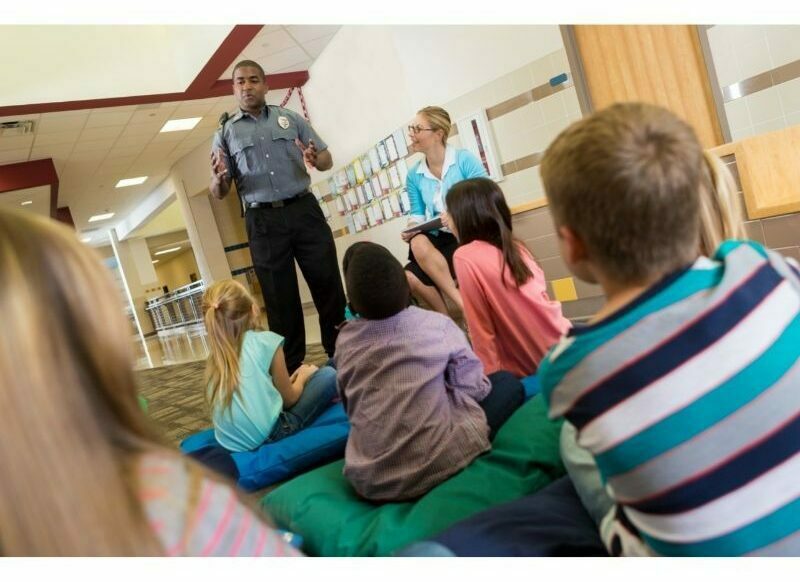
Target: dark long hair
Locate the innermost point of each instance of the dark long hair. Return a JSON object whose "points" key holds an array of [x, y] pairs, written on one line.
{"points": [[478, 211]]}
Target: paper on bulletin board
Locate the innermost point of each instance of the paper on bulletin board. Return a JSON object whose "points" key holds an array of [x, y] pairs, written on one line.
{"points": [[383, 178], [374, 159], [350, 224], [361, 220], [394, 200], [359, 170], [325, 210], [383, 154], [353, 198], [341, 180], [394, 178], [366, 165], [402, 169], [351, 175], [334, 190], [376, 208], [375, 182], [346, 199], [391, 148], [362, 197], [386, 207], [404, 201], [371, 219], [400, 142], [368, 190], [340, 207]]}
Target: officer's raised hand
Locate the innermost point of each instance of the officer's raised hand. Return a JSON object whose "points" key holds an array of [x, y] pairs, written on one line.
{"points": [[219, 170], [309, 152]]}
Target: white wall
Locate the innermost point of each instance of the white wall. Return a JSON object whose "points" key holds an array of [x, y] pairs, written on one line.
{"points": [[444, 62], [741, 52], [370, 80]]}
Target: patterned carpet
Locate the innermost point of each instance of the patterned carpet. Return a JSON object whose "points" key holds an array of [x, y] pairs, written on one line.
{"points": [[175, 399]]}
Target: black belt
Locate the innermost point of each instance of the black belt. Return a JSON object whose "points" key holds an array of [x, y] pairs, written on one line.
{"points": [[276, 203]]}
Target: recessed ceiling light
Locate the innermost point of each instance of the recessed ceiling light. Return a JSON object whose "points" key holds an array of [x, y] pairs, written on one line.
{"points": [[154, 262], [97, 217], [26, 203], [180, 124], [131, 182], [86, 239], [165, 251]]}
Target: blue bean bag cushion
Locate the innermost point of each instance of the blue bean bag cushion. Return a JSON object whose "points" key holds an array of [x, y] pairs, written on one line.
{"points": [[320, 442]]}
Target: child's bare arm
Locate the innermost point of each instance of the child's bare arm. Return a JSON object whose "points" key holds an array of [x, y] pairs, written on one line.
{"points": [[289, 387]]}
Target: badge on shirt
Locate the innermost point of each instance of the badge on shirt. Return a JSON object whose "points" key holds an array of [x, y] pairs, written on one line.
{"points": [[283, 121]]}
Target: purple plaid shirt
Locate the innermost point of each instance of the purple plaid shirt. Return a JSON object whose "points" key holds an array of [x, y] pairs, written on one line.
{"points": [[411, 386]]}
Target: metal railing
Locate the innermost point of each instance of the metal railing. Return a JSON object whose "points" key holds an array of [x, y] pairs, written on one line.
{"points": [[183, 306]]}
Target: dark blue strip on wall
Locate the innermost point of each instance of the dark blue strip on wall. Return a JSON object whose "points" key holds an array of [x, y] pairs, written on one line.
{"points": [[241, 271]]}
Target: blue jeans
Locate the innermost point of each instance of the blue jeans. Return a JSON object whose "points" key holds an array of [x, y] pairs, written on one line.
{"points": [[317, 395]]}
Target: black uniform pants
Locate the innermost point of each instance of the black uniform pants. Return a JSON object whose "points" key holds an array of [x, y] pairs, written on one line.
{"points": [[279, 236]]}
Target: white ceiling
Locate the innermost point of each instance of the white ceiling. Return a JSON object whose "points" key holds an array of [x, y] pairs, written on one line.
{"points": [[38, 196], [70, 63], [92, 149]]}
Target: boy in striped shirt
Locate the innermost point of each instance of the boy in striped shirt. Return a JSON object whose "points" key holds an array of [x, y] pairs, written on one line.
{"points": [[685, 386]]}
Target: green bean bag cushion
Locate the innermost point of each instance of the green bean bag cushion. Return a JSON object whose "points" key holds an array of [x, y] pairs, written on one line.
{"points": [[324, 509]]}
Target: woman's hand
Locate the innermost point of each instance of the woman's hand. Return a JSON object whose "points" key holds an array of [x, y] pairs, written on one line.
{"points": [[407, 235], [445, 219]]}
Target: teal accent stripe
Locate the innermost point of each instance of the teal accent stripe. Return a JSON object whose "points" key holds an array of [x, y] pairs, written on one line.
{"points": [[703, 413], [728, 246], [552, 372], [761, 533]]}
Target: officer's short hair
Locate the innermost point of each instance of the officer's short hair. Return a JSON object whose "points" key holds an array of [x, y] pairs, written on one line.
{"points": [[248, 63]]}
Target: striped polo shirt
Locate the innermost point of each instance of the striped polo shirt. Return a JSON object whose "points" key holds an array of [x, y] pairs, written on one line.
{"points": [[689, 400]]}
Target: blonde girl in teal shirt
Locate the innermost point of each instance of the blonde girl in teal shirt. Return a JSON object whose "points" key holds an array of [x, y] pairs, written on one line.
{"points": [[253, 398]]}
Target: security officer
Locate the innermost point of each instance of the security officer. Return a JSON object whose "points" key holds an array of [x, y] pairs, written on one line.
{"points": [[265, 149]]}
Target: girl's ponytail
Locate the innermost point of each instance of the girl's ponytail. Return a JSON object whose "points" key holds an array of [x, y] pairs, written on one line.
{"points": [[229, 312]]}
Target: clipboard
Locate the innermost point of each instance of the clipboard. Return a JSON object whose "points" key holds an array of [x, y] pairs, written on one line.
{"points": [[425, 226]]}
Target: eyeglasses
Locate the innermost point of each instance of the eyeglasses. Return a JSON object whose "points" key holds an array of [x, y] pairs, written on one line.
{"points": [[415, 129]]}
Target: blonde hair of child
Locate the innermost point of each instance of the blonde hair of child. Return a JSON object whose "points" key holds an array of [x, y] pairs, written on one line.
{"points": [[229, 312], [721, 215]]}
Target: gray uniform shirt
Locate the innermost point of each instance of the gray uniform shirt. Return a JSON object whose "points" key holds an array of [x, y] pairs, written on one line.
{"points": [[268, 163]]}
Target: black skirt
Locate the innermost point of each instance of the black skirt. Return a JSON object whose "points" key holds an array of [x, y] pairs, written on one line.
{"points": [[445, 243]]}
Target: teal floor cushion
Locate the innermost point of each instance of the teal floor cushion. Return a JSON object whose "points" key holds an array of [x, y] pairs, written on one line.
{"points": [[321, 506]]}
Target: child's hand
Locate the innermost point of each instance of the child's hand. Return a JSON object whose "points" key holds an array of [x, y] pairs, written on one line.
{"points": [[303, 373]]}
